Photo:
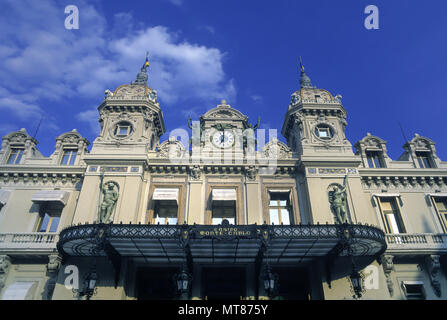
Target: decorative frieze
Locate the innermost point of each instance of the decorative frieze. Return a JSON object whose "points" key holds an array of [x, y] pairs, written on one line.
{"points": [[39, 179], [215, 169], [332, 171], [400, 182], [115, 169], [162, 169]]}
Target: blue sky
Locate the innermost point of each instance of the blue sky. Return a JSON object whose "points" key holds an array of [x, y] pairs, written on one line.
{"points": [[243, 51]]}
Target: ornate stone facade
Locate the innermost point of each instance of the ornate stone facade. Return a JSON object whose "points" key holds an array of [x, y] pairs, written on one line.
{"points": [[173, 197]]}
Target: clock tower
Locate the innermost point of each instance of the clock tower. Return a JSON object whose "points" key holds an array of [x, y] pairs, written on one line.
{"points": [[223, 130]]}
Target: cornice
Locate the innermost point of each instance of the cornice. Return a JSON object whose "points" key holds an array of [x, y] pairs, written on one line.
{"points": [[404, 182], [62, 179], [20, 169], [403, 172]]}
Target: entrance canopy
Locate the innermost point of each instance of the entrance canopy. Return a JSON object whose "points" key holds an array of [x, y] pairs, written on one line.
{"points": [[223, 244]]}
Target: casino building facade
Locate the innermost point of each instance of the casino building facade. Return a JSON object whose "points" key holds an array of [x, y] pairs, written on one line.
{"points": [[221, 214]]}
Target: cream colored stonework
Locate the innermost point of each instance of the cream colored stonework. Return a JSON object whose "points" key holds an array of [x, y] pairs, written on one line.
{"points": [[304, 167]]}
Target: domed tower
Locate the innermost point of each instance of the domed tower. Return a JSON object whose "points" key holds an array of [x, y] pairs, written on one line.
{"points": [[130, 118], [315, 122]]}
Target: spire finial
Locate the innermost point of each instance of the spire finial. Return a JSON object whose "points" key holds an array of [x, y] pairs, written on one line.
{"points": [[301, 65], [146, 64], [304, 80], [142, 75]]}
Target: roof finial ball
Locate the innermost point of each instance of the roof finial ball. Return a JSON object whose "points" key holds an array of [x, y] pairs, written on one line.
{"points": [[223, 103], [142, 75]]}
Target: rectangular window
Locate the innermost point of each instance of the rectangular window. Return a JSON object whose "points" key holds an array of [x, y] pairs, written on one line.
{"points": [[324, 133], [391, 215], [223, 209], [374, 159], [165, 212], [441, 208], [50, 215], [280, 211], [414, 290], [424, 159], [48, 222], [123, 130], [15, 156], [69, 157]]}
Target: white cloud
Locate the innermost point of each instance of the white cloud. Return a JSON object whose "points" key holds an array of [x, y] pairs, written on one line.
{"points": [[257, 98], [179, 70], [91, 117], [208, 29], [40, 59], [176, 2]]}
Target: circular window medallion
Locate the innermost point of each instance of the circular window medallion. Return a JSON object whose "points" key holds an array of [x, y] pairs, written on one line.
{"points": [[122, 130], [324, 132]]}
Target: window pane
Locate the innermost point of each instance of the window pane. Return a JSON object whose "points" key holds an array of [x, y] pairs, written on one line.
{"points": [[65, 158], [273, 203], [159, 220], [421, 163], [172, 220], [377, 161], [274, 216], [441, 204], [391, 214], [73, 157], [19, 156], [386, 205], [323, 133], [423, 159], [123, 131], [54, 224], [370, 162], [224, 210], [12, 157], [15, 156], [393, 225], [165, 212], [285, 216], [44, 223], [374, 160]]}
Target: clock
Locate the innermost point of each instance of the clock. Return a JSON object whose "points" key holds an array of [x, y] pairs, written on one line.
{"points": [[223, 139]]}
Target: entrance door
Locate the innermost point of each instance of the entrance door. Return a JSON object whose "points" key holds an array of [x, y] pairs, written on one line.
{"points": [[223, 283], [156, 284], [293, 283]]}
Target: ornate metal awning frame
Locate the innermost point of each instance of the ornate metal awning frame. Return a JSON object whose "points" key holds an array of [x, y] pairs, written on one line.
{"points": [[292, 244]]}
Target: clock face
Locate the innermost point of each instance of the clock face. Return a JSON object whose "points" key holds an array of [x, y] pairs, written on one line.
{"points": [[223, 139]]}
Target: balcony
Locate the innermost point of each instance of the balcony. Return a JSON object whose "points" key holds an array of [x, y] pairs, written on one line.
{"points": [[28, 243], [413, 244]]}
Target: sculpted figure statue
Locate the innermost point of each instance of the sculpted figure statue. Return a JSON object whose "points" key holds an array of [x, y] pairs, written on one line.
{"points": [[108, 202], [337, 199]]}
